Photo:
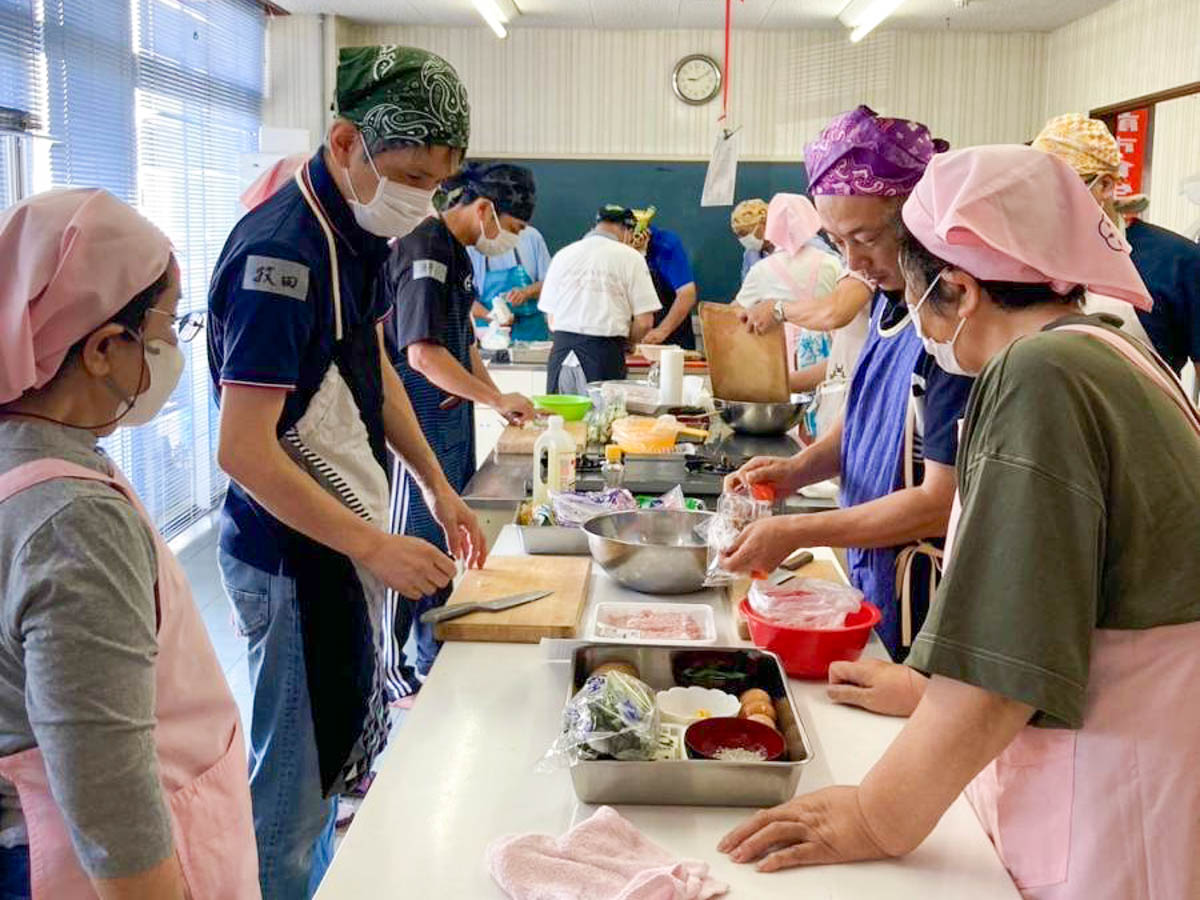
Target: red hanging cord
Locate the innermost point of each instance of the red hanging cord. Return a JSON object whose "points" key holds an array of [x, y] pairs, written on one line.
{"points": [[725, 64]]}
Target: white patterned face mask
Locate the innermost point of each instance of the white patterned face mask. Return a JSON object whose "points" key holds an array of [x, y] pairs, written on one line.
{"points": [[395, 210]]}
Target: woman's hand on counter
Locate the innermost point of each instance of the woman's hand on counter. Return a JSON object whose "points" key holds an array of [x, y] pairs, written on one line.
{"points": [[887, 688], [464, 537], [820, 828], [763, 545]]}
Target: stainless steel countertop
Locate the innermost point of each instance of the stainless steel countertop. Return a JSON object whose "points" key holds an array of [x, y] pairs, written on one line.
{"points": [[503, 481]]}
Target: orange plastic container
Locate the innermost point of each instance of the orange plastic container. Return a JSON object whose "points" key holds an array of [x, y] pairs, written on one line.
{"points": [[809, 652]]}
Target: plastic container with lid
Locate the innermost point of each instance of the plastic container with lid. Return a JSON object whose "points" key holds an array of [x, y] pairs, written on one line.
{"points": [[553, 462]]}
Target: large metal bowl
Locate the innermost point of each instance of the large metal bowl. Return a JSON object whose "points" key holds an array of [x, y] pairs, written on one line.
{"points": [[654, 551], [763, 418]]}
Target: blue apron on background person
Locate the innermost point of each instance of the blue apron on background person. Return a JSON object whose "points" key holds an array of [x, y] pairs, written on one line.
{"points": [[439, 309], [528, 322], [873, 462]]}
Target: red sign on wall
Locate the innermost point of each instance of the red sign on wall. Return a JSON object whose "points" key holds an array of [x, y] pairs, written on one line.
{"points": [[1132, 135]]}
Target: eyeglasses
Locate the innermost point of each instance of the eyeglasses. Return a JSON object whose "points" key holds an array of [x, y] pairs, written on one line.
{"points": [[186, 326]]}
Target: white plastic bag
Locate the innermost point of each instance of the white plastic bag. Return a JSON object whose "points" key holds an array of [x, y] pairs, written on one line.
{"points": [[571, 378], [734, 513], [805, 602], [721, 177]]}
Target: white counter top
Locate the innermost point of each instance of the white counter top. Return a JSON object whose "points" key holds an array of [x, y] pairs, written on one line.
{"points": [[460, 774]]}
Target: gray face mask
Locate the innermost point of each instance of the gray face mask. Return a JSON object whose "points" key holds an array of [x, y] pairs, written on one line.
{"points": [[941, 351]]}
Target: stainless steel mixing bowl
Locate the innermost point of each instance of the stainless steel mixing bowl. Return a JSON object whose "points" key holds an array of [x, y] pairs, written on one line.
{"points": [[763, 418], [655, 551]]}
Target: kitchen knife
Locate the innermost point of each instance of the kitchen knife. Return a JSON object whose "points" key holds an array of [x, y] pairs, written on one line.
{"points": [[792, 563], [446, 613]]}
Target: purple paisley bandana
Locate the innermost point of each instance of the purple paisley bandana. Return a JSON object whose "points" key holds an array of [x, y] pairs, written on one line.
{"points": [[860, 153]]}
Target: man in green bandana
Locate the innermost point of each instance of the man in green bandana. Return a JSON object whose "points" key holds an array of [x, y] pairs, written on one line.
{"points": [[309, 408]]}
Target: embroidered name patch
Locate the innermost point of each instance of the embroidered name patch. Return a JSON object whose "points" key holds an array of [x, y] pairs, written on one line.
{"points": [[429, 268], [276, 276]]}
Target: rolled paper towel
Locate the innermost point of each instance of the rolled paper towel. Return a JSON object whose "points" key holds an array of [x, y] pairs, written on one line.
{"points": [[670, 377]]}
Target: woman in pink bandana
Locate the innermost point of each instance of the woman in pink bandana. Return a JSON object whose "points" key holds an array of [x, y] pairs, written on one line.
{"points": [[122, 765], [1055, 677]]}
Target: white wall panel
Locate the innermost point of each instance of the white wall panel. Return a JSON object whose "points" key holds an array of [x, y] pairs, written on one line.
{"points": [[295, 96], [1176, 157], [559, 92], [1127, 50]]}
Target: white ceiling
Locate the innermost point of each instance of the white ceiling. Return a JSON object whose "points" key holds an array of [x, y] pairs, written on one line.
{"points": [[978, 15]]}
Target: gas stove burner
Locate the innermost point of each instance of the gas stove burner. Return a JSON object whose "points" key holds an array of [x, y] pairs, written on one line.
{"points": [[712, 464]]}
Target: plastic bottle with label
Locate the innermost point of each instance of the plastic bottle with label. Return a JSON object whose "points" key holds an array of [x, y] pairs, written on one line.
{"points": [[553, 462]]}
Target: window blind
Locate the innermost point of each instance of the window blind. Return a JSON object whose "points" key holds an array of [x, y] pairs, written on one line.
{"points": [[156, 101], [199, 87], [20, 52]]}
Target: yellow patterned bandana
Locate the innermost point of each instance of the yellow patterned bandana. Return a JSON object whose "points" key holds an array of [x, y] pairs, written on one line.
{"points": [[1086, 145], [749, 214]]}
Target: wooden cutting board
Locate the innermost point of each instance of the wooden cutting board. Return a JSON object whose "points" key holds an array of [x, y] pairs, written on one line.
{"points": [[737, 591], [518, 440], [743, 365], [556, 616]]}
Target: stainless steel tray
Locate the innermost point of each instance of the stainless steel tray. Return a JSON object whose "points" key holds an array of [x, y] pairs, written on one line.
{"points": [[693, 782], [521, 353], [553, 540]]}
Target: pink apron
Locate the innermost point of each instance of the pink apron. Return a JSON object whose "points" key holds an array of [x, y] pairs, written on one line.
{"points": [[201, 757], [1111, 811]]}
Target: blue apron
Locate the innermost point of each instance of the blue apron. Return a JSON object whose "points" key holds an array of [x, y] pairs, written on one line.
{"points": [[872, 454], [528, 322]]}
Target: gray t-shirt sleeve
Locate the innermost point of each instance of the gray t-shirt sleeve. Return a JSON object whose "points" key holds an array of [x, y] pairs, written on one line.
{"points": [[88, 627]]}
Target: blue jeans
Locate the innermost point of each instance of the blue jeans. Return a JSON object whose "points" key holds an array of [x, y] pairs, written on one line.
{"points": [[14, 873], [293, 823]]}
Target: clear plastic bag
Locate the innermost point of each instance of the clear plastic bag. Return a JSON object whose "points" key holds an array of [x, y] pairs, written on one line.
{"points": [[734, 513], [573, 508], [571, 377], [805, 602], [612, 716]]}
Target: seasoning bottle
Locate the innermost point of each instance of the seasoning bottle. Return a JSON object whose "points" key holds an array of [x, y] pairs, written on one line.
{"points": [[613, 468], [553, 462]]}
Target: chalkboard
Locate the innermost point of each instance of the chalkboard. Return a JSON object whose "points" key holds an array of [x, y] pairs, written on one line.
{"points": [[569, 192]]}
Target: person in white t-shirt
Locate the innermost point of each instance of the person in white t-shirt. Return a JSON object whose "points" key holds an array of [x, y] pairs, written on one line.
{"points": [[598, 297]]}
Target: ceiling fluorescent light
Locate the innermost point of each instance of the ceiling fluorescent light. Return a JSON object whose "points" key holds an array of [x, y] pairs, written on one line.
{"points": [[491, 14], [862, 16]]}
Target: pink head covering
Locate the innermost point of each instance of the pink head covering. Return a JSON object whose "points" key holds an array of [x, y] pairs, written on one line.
{"points": [[275, 176], [792, 221], [1012, 213], [73, 259]]}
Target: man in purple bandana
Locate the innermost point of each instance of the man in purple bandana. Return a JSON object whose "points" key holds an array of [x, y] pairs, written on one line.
{"points": [[895, 448]]}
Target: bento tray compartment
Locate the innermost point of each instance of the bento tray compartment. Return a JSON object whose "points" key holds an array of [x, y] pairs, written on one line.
{"points": [[693, 782]]}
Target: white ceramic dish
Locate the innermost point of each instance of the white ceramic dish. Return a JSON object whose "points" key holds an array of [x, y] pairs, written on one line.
{"points": [[685, 705]]}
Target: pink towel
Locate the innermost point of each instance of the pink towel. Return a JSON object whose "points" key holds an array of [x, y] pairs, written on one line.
{"points": [[604, 858]]}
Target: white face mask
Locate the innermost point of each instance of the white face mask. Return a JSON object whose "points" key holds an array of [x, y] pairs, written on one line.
{"points": [[395, 210], [751, 242], [503, 242], [941, 351], [164, 363]]}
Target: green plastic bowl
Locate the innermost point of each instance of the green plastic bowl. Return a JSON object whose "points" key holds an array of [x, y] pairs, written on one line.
{"points": [[571, 407]]}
